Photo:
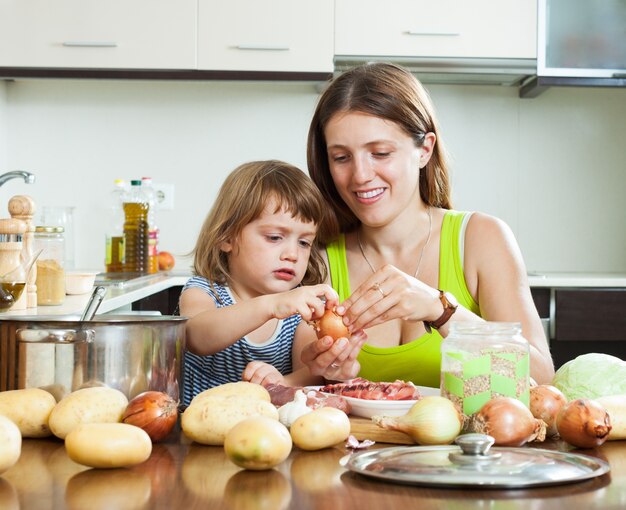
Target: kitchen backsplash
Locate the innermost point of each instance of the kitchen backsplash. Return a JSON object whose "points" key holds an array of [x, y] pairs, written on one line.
{"points": [[552, 167]]}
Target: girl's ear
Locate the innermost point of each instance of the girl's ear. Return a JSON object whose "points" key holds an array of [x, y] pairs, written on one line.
{"points": [[226, 246], [426, 150]]}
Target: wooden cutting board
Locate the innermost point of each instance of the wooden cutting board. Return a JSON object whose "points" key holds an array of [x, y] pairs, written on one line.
{"points": [[364, 428]]}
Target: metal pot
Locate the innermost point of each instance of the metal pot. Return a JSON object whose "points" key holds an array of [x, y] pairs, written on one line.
{"points": [[132, 353]]}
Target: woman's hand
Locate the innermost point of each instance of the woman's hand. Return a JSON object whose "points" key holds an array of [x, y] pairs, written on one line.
{"points": [[306, 301], [262, 373], [390, 294], [334, 359]]}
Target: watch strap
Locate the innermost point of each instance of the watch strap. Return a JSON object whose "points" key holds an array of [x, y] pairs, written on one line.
{"points": [[448, 311]]}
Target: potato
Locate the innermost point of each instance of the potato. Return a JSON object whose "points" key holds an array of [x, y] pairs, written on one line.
{"points": [[258, 443], [99, 404], [108, 445], [10, 443], [208, 421], [237, 389], [29, 409], [320, 428]]}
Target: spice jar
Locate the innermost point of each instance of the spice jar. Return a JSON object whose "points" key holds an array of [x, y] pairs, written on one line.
{"points": [[50, 265], [480, 361]]}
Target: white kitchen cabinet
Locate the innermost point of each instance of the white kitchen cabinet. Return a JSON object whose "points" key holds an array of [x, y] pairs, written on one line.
{"points": [[266, 35], [124, 34], [503, 29]]}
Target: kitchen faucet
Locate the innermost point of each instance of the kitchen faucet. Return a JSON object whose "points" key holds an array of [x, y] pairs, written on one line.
{"points": [[27, 176]]}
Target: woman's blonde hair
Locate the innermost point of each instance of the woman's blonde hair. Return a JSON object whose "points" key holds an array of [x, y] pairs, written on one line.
{"points": [[390, 92], [242, 198]]}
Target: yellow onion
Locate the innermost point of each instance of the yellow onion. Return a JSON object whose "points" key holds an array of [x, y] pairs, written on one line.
{"points": [[545, 403], [153, 411], [583, 423], [430, 421]]}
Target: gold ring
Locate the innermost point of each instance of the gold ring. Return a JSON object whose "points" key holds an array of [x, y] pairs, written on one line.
{"points": [[377, 287]]}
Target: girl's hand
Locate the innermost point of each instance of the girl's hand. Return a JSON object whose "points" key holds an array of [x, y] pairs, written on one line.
{"points": [[334, 359], [262, 373], [389, 294], [306, 301]]}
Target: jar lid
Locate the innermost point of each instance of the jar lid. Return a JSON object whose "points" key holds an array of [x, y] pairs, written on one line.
{"points": [[472, 464], [50, 229]]}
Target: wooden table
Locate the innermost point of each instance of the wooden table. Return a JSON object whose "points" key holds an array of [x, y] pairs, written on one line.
{"points": [[184, 475]]}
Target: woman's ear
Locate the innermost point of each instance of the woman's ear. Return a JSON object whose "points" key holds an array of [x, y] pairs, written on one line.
{"points": [[427, 148]]}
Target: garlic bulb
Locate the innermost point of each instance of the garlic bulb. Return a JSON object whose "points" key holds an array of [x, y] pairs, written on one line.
{"points": [[291, 411]]}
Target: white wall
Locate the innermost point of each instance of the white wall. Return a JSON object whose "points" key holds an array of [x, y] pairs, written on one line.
{"points": [[552, 167], [3, 129]]}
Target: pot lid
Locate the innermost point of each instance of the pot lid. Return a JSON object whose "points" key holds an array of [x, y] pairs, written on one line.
{"points": [[473, 463]]}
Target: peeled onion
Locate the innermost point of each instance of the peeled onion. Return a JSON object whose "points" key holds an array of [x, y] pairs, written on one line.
{"points": [[583, 423], [431, 420], [331, 324], [545, 403], [153, 411], [509, 422]]}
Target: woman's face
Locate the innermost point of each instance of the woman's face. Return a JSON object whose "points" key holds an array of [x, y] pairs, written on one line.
{"points": [[374, 165]]}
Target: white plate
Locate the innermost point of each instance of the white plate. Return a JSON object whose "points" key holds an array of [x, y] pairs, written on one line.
{"points": [[368, 408]]}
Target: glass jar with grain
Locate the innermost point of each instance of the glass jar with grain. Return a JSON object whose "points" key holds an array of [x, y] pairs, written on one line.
{"points": [[483, 360], [50, 265]]}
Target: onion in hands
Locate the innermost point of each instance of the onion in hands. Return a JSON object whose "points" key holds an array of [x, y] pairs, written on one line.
{"points": [[583, 423], [431, 420], [153, 411], [509, 422], [330, 324], [545, 403]]}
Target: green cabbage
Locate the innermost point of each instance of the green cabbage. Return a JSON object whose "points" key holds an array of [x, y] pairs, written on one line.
{"points": [[591, 376]]}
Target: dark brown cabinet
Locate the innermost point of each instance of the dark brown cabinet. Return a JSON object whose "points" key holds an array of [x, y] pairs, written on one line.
{"points": [[165, 301]]}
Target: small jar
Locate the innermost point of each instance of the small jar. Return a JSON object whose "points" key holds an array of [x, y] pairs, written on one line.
{"points": [[480, 361], [50, 280]]}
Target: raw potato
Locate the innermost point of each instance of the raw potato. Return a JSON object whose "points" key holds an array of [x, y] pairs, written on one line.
{"points": [[615, 405], [208, 421], [29, 409], [88, 405], [108, 445], [236, 389], [322, 428], [258, 443], [10, 443]]}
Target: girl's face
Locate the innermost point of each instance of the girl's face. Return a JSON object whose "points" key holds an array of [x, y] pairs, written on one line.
{"points": [[374, 165], [271, 254]]}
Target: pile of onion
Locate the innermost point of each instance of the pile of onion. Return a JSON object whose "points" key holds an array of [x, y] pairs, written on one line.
{"points": [[431, 420], [583, 423], [545, 403], [330, 324], [153, 411], [509, 422]]}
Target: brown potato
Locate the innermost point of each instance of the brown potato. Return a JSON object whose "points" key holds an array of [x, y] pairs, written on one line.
{"points": [[10, 443], [29, 409], [321, 428]]}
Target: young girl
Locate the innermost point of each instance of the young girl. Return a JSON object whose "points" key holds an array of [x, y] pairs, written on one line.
{"points": [[257, 281]]}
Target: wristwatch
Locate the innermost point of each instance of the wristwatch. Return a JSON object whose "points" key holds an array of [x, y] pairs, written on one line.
{"points": [[450, 305]]}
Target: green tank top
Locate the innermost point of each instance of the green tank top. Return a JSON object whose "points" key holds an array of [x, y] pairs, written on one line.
{"points": [[418, 361]]}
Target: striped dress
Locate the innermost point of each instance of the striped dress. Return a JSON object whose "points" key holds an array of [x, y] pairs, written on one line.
{"points": [[203, 372]]}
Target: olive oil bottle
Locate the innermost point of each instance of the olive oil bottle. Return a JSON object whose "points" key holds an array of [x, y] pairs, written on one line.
{"points": [[136, 230]]}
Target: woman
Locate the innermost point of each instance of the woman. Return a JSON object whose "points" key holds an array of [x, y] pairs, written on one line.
{"points": [[406, 265]]}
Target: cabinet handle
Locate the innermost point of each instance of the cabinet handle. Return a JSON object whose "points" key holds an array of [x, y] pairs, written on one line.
{"points": [[261, 47], [421, 32], [90, 44]]}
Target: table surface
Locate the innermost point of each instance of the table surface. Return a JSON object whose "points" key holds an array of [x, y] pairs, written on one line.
{"points": [[181, 474]]}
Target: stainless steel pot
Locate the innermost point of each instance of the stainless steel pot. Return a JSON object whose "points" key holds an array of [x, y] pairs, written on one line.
{"points": [[132, 353]]}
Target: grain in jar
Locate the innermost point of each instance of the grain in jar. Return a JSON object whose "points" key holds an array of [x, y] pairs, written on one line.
{"points": [[50, 280], [480, 361]]}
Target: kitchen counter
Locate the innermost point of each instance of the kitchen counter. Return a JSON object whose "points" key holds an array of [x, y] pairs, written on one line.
{"points": [[181, 474], [577, 280]]}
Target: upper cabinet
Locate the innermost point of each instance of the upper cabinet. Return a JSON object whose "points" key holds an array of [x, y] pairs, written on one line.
{"points": [[504, 29], [266, 35], [135, 34]]}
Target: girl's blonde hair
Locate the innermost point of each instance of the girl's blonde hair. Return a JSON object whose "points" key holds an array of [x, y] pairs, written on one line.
{"points": [[243, 197]]}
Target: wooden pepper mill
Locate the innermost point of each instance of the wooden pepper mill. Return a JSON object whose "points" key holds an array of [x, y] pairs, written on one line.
{"points": [[11, 236], [22, 208]]}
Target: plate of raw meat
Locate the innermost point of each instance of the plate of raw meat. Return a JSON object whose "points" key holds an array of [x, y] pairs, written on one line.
{"points": [[368, 398]]}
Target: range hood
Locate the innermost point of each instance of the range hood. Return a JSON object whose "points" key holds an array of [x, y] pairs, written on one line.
{"points": [[458, 71]]}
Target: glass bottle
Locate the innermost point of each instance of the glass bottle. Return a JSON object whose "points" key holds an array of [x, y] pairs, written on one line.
{"points": [[50, 280], [483, 360], [136, 229], [115, 254], [153, 231]]}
